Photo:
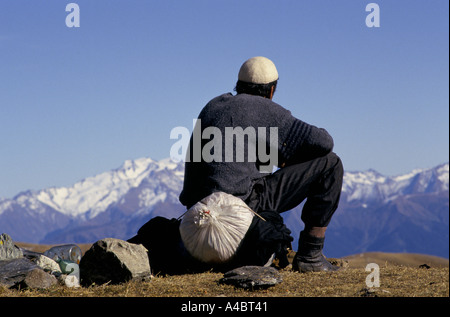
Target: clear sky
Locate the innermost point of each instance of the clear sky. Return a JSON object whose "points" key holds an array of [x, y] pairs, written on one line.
{"points": [[75, 102]]}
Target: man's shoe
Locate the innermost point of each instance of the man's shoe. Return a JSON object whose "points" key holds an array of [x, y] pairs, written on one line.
{"points": [[309, 257]]}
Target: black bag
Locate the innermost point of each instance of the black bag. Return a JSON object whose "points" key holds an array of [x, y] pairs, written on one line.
{"points": [[167, 254], [265, 238]]}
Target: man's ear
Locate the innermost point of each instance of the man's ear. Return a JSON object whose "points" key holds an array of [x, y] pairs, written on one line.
{"points": [[271, 92]]}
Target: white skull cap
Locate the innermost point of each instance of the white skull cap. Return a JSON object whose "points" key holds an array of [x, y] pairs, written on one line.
{"points": [[258, 70]]}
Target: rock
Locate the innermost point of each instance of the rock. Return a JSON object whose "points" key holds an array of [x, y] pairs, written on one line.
{"points": [[114, 261], [368, 292], [23, 273], [15, 270], [338, 262], [47, 264], [252, 277], [37, 279], [7, 248], [69, 280], [44, 262]]}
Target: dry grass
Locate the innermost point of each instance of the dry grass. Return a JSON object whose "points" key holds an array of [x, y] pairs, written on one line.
{"points": [[399, 259], [396, 280]]}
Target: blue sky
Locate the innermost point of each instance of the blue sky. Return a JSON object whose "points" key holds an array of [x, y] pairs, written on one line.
{"points": [[75, 102]]}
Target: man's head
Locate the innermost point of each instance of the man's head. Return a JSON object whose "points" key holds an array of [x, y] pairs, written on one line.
{"points": [[257, 76]]}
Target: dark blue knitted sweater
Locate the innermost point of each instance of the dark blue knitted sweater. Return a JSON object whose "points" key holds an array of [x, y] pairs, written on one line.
{"points": [[297, 142]]}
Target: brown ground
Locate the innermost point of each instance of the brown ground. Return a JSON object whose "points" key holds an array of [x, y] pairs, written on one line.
{"points": [[401, 275]]}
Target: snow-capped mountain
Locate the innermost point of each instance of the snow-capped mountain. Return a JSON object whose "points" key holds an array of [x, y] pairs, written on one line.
{"points": [[133, 190], [405, 213], [92, 196], [372, 186], [118, 202]]}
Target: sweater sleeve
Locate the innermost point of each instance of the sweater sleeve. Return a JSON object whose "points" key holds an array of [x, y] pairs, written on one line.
{"points": [[305, 142]]}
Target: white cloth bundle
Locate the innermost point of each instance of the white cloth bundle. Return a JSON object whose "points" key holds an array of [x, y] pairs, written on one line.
{"points": [[214, 227]]}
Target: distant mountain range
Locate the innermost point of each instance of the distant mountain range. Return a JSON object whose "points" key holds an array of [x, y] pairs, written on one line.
{"points": [[407, 213]]}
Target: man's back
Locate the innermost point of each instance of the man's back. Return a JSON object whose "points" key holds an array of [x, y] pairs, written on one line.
{"points": [[234, 141]]}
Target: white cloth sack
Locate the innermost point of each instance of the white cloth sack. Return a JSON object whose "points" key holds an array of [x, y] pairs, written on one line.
{"points": [[214, 227]]}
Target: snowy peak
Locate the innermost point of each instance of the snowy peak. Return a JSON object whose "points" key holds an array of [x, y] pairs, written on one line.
{"points": [[95, 194], [371, 185], [118, 202], [140, 184]]}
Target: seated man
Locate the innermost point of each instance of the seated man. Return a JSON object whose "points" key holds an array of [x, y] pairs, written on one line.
{"points": [[308, 169]]}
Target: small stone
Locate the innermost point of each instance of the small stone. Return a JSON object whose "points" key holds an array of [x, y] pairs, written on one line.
{"points": [[37, 279], [368, 292], [69, 280], [252, 277], [47, 264], [338, 262], [424, 266]]}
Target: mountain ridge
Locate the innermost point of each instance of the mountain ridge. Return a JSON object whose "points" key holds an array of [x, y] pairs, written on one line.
{"points": [[117, 202]]}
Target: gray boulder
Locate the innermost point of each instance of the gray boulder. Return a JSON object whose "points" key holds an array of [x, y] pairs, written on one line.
{"points": [[252, 277], [23, 273], [37, 279], [14, 271], [114, 261], [8, 250]]}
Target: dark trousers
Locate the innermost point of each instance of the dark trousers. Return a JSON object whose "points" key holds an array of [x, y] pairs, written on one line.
{"points": [[319, 181]]}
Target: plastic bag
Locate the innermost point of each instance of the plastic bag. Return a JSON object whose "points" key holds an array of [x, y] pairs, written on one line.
{"points": [[213, 228]]}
